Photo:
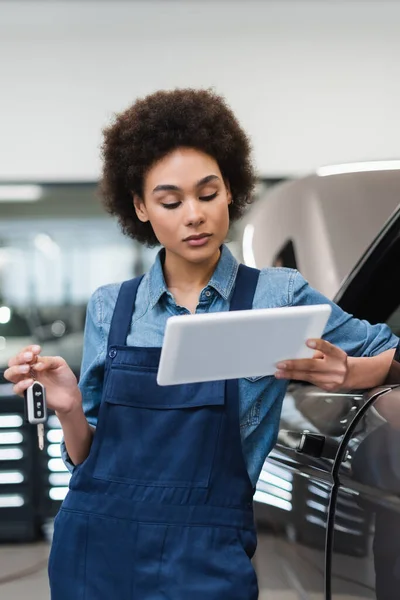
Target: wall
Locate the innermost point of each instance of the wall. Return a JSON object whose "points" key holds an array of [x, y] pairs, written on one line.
{"points": [[313, 82]]}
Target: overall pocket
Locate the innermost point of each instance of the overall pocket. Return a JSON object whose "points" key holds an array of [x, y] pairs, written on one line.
{"points": [[157, 436]]}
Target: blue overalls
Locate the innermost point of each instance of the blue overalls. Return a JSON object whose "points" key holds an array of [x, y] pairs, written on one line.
{"points": [[162, 507]]}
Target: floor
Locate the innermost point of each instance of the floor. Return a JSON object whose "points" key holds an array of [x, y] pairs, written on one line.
{"points": [[23, 572]]}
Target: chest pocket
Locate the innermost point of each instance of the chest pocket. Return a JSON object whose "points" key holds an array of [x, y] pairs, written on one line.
{"points": [[157, 436]]}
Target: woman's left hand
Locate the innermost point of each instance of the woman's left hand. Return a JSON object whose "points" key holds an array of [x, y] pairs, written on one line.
{"points": [[328, 369]]}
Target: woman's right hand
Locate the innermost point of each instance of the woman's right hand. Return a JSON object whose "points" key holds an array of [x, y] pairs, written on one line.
{"points": [[62, 392]]}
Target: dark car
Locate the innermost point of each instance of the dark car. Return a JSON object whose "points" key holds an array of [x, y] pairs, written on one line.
{"points": [[330, 490], [32, 483]]}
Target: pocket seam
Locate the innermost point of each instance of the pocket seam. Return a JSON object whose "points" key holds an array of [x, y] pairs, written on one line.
{"points": [[254, 379]]}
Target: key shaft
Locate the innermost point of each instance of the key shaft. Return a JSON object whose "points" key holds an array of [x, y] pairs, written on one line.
{"points": [[40, 433]]}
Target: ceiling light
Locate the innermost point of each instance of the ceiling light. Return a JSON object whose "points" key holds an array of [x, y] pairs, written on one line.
{"points": [[20, 193], [47, 246], [359, 167], [5, 315]]}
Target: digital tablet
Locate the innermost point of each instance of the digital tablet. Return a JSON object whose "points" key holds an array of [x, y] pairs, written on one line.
{"points": [[243, 343]]}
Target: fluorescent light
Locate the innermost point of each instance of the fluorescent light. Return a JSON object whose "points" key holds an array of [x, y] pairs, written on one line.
{"points": [[317, 506], [274, 491], [247, 244], [276, 481], [11, 437], [11, 454], [20, 193], [278, 471], [54, 436], [264, 498], [53, 422], [8, 501], [5, 314], [359, 167], [54, 450], [10, 421], [61, 479], [11, 477], [56, 465], [313, 489], [58, 493]]}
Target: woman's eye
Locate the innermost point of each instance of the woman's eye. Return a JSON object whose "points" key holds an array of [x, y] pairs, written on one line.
{"points": [[211, 197], [172, 205]]}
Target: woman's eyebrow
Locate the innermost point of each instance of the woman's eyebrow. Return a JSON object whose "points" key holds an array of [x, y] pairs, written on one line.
{"points": [[167, 187], [207, 180]]}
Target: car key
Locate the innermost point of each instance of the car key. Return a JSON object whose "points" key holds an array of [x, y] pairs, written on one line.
{"points": [[35, 408]]}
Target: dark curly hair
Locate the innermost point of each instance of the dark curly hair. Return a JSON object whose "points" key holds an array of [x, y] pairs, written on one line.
{"points": [[158, 124]]}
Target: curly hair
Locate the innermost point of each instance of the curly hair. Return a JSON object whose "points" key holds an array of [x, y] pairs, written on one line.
{"points": [[155, 126]]}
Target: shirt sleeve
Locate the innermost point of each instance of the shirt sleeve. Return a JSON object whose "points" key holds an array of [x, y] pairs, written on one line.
{"points": [[356, 337], [92, 368]]}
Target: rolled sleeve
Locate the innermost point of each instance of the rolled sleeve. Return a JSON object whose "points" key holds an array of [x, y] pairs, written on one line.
{"points": [[92, 368], [356, 337]]}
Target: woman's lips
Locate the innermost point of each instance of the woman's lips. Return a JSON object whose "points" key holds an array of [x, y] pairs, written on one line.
{"points": [[198, 241]]}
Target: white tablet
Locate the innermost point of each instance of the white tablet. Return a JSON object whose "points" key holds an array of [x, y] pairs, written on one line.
{"points": [[243, 343]]}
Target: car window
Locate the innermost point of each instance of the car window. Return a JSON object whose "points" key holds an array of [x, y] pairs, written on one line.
{"points": [[373, 291], [394, 321], [13, 323], [286, 257]]}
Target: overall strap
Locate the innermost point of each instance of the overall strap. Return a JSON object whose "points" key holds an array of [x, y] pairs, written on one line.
{"points": [[242, 299], [123, 311], [245, 287]]}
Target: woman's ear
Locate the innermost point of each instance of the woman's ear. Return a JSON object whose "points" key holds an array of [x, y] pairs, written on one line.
{"points": [[228, 192], [140, 209]]}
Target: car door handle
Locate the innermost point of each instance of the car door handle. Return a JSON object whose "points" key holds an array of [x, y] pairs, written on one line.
{"points": [[308, 443]]}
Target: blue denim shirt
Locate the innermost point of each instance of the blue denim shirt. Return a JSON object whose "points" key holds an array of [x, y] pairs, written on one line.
{"points": [[260, 397]]}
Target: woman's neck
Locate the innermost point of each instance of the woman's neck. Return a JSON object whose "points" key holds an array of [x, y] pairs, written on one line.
{"points": [[186, 276]]}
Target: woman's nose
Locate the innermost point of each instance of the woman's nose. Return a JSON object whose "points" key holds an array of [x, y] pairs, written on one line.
{"points": [[194, 214]]}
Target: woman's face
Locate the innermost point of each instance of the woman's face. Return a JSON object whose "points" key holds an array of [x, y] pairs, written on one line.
{"points": [[186, 201]]}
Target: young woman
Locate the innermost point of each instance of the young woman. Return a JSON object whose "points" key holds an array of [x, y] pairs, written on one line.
{"points": [[160, 499]]}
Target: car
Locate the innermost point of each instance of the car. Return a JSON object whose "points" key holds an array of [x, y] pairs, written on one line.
{"points": [[320, 224], [329, 492], [31, 481]]}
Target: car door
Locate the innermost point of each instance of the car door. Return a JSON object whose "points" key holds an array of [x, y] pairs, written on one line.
{"points": [[367, 472], [296, 494], [368, 479]]}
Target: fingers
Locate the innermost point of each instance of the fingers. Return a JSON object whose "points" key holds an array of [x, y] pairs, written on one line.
{"points": [[20, 387], [15, 374], [329, 382], [300, 364], [20, 369], [27, 355], [322, 349], [316, 378], [48, 363], [325, 347]]}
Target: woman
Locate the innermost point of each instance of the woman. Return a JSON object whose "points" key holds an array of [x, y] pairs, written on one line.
{"points": [[160, 499]]}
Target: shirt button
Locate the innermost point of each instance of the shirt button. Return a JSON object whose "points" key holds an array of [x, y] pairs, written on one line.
{"points": [[208, 293], [112, 353]]}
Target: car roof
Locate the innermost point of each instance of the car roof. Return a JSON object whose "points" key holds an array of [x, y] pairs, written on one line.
{"points": [[330, 220]]}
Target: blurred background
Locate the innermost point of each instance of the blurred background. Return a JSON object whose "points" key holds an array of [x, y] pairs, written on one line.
{"points": [[314, 83]]}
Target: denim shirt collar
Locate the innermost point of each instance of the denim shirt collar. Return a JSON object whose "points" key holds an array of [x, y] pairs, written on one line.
{"points": [[222, 280]]}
